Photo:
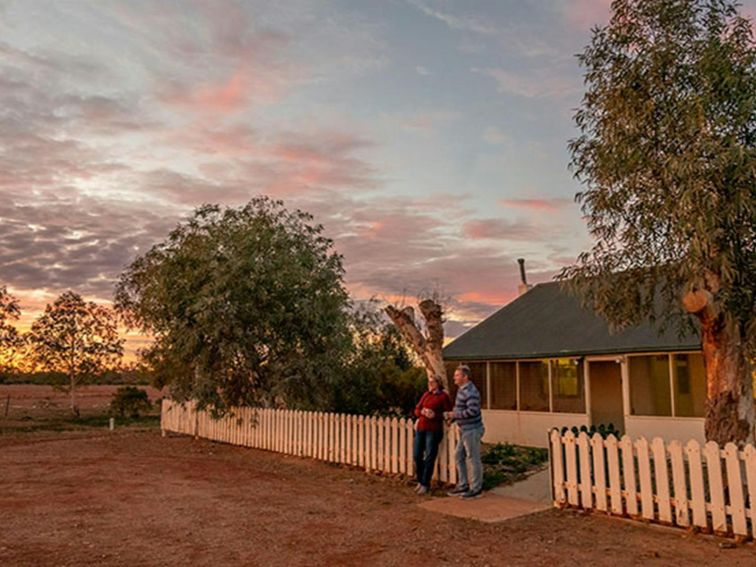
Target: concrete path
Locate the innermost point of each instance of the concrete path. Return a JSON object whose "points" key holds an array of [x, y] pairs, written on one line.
{"points": [[536, 488], [489, 508], [502, 503]]}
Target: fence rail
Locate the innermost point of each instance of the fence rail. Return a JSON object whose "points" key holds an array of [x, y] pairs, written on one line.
{"points": [[707, 487], [372, 443]]}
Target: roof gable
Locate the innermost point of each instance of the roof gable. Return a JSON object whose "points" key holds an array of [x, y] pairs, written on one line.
{"points": [[549, 322]]}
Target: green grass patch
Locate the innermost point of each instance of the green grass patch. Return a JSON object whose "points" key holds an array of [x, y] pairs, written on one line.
{"points": [[504, 463]]}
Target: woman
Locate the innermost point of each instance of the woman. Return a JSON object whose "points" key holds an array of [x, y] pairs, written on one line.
{"points": [[429, 431]]}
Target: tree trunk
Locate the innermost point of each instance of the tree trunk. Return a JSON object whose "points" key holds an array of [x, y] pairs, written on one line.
{"points": [[428, 347], [730, 412], [72, 394]]}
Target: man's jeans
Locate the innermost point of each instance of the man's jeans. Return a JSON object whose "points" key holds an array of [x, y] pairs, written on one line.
{"points": [[467, 456], [425, 451]]}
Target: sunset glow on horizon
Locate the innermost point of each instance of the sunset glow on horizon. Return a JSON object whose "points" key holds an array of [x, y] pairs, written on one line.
{"points": [[429, 138]]}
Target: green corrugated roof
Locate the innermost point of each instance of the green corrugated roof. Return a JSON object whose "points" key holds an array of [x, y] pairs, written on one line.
{"points": [[549, 322]]}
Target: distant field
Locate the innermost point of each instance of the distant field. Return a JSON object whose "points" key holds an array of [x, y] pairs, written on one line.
{"points": [[31, 407]]}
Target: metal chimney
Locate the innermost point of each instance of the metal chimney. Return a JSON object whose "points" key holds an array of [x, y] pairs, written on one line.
{"points": [[524, 286]]}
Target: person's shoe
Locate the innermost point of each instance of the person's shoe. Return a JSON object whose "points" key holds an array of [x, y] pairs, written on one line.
{"points": [[469, 495], [418, 487], [458, 491], [422, 491]]}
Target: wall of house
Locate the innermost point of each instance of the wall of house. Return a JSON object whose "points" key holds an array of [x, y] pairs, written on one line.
{"points": [[662, 388], [668, 428], [526, 428]]}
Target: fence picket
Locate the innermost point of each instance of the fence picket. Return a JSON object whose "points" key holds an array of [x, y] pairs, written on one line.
{"points": [[750, 463], [671, 481], [599, 472], [613, 463], [661, 476], [557, 467], [394, 445], [628, 475], [584, 457], [716, 488], [679, 484], [402, 440], [361, 441], [372, 431], [386, 445], [452, 448], [442, 462], [735, 490], [697, 495], [570, 450]]}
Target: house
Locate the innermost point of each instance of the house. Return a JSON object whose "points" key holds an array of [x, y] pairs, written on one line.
{"points": [[543, 361]]}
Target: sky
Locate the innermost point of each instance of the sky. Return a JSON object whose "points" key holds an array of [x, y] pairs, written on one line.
{"points": [[428, 137]]}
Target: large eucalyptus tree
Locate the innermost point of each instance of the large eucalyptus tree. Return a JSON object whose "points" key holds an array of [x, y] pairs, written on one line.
{"points": [[667, 156]]}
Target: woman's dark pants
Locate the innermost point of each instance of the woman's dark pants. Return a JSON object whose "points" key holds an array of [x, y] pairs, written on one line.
{"points": [[425, 451]]}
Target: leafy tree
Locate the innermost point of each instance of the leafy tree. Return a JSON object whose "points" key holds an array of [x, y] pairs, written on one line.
{"points": [[246, 306], [77, 338], [11, 341], [130, 401], [380, 375], [667, 154]]}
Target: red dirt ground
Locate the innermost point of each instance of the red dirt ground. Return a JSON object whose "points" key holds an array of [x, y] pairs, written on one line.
{"points": [[134, 498]]}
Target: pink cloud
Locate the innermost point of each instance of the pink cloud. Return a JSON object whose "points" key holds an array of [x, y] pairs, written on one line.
{"points": [[232, 141], [584, 14], [229, 94], [544, 205], [500, 229]]}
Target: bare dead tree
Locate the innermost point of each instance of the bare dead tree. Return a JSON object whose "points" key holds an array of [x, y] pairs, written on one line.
{"points": [[428, 342]]}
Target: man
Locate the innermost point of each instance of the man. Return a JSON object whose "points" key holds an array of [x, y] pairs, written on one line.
{"points": [[468, 418]]}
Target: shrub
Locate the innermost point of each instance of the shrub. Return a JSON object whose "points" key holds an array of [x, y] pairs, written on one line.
{"points": [[128, 400]]}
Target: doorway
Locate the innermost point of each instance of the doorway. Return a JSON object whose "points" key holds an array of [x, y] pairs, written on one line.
{"points": [[606, 393]]}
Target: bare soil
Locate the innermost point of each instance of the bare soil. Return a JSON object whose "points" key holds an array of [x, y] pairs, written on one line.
{"points": [[134, 498]]}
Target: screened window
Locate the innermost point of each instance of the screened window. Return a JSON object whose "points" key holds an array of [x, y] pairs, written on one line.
{"points": [[649, 385], [534, 385], [478, 370], [690, 384], [567, 385], [503, 385]]}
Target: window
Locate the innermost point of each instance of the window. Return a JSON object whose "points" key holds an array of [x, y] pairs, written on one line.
{"points": [[567, 385], [503, 385], [690, 384], [534, 385], [478, 370], [649, 385]]}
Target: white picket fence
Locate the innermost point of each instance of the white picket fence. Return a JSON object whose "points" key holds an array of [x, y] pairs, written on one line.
{"points": [[707, 487], [372, 443]]}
